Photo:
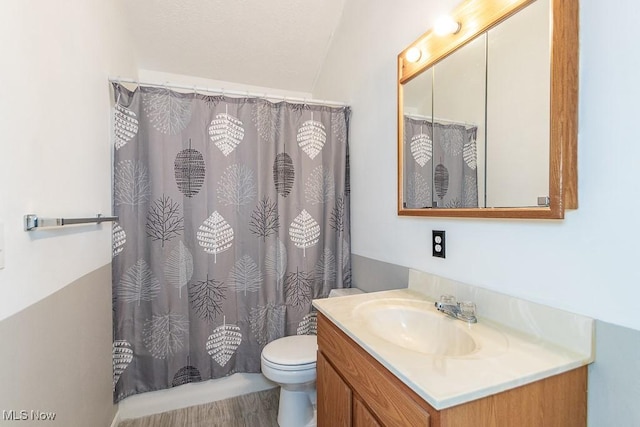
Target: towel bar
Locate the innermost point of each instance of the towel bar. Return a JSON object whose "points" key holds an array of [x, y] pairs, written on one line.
{"points": [[32, 221]]}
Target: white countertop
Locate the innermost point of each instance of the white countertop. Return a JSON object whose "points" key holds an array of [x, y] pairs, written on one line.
{"points": [[504, 358]]}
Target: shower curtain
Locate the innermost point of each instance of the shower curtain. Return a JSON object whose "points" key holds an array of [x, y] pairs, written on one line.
{"points": [[233, 215], [440, 165]]}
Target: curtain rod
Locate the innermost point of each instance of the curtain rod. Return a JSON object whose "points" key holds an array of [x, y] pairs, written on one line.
{"points": [[438, 120], [224, 91]]}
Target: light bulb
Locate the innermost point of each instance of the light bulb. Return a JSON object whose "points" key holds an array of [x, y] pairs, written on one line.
{"points": [[413, 55], [446, 25]]}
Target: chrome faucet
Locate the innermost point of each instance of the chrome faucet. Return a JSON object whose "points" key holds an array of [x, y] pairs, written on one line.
{"points": [[463, 310]]}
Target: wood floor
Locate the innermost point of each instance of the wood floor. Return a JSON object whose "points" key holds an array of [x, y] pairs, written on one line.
{"points": [[258, 409]]}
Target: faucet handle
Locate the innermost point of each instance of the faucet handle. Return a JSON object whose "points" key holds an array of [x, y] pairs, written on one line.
{"points": [[447, 299], [467, 310]]}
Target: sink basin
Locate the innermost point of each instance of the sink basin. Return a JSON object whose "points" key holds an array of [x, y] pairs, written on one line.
{"points": [[417, 326]]}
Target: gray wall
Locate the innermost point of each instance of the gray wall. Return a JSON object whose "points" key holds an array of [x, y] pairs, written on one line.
{"points": [[614, 377], [56, 356]]}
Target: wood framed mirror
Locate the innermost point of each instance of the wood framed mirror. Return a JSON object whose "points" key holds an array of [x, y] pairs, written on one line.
{"points": [[487, 116]]}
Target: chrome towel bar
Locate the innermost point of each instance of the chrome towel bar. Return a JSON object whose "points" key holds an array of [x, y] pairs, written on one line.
{"points": [[32, 221]]}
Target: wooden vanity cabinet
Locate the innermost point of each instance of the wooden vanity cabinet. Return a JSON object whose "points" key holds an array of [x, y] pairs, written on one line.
{"points": [[354, 389]]}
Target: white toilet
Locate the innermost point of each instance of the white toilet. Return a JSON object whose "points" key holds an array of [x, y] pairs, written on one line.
{"points": [[290, 362]]}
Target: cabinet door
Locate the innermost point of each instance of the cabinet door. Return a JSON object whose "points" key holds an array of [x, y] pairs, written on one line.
{"points": [[361, 415], [334, 396]]}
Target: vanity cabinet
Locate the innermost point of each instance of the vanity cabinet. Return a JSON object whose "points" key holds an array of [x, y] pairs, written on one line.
{"points": [[354, 389]]}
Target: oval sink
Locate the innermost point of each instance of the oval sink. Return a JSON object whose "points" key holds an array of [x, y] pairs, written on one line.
{"points": [[416, 326]]}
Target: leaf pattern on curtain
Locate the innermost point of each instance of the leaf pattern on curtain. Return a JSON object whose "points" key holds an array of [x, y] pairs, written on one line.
{"points": [[304, 231], [347, 173], [421, 148], [266, 120], [276, 261], [309, 324], [189, 171], [179, 267], [298, 288], [118, 239], [125, 126], [215, 235], [131, 183], [312, 137], [339, 130], [470, 154], [237, 186], [264, 219], [441, 180], [418, 194], [284, 174], [185, 375], [452, 139], [471, 193], [245, 276], [121, 355], [226, 132], [320, 186], [138, 284], [346, 264], [267, 322], [164, 335], [453, 177], [163, 220], [168, 111], [206, 297], [325, 272], [337, 219], [223, 342], [233, 214]]}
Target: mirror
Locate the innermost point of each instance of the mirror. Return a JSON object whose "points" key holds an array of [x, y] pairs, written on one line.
{"points": [[487, 117]]}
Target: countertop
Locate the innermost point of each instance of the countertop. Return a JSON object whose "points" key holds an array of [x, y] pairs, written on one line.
{"points": [[505, 358]]}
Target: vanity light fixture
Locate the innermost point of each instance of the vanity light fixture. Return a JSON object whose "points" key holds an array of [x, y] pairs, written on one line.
{"points": [[413, 55], [446, 25]]}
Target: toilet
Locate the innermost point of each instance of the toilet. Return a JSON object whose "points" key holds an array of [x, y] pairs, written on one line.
{"points": [[290, 362]]}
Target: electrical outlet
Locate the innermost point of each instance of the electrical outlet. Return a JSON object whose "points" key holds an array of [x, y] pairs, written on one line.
{"points": [[437, 241]]}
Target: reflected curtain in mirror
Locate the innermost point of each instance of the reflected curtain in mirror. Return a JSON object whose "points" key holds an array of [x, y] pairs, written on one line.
{"points": [[441, 164]]}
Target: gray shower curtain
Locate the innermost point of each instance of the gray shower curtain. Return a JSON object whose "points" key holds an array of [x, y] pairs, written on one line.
{"points": [[233, 216], [440, 165]]}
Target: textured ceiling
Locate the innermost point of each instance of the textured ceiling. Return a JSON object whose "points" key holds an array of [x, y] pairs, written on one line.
{"points": [[278, 44]]}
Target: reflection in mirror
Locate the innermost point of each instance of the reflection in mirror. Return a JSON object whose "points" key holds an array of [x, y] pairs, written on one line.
{"points": [[444, 151], [417, 142], [518, 114], [488, 116], [459, 107]]}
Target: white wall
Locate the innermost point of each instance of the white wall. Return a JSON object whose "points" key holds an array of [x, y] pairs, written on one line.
{"points": [[586, 263], [55, 131], [159, 77]]}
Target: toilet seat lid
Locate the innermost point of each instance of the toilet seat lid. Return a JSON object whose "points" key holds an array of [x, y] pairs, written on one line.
{"points": [[293, 351]]}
